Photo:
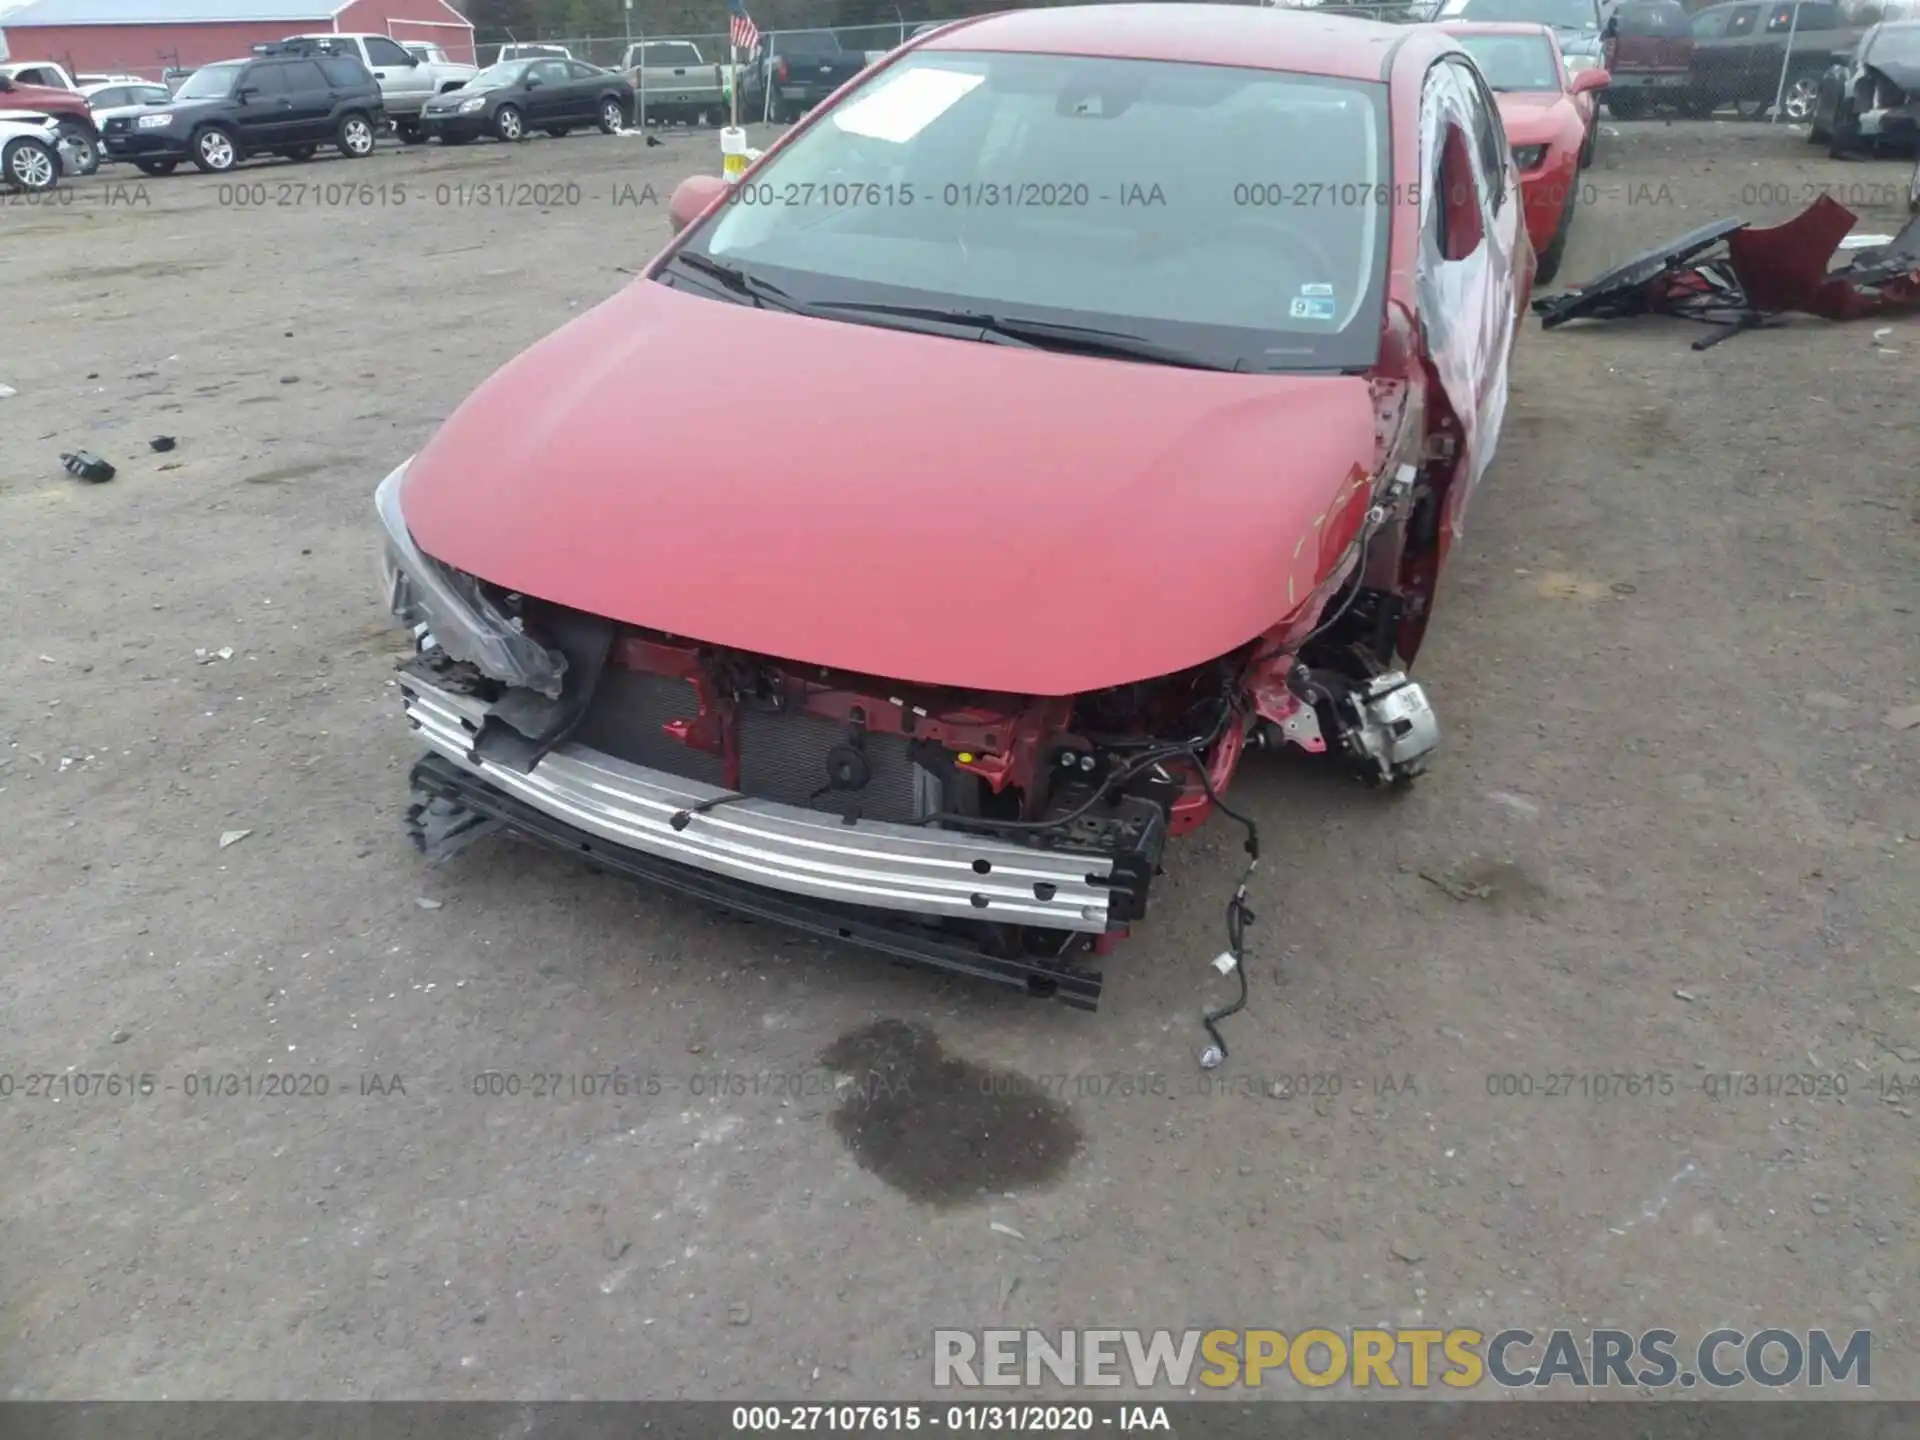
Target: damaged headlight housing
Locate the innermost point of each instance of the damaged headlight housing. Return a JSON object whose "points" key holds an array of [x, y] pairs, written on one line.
{"points": [[456, 611]]}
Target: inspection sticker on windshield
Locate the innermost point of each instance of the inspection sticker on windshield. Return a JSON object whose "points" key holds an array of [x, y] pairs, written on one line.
{"points": [[906, 105], [1314, 302]]}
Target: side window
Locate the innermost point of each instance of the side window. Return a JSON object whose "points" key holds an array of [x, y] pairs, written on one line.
{"points": [[1818, 17], [1459, 208], [1740, 22], [304, 77], [102, 99], [1489, 140], [580, 70], [151, 95], [382, 51], [550, 72], [1710, 25], [341, 74], [265, 81]]}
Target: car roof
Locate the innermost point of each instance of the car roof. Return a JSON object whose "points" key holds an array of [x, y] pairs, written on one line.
{"points": [[1256, 37]]}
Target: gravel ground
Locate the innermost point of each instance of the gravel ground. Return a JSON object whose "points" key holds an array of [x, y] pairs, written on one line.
{"points": [[1670, 835]]}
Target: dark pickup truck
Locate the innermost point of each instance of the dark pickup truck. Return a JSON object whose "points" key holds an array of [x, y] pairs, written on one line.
{"points": [[1739, 50], [794, 71]]}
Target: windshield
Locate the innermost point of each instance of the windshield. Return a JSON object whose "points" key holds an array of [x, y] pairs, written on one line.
{"points": [[1514, 62], [210, 82], [1898, 43], [495, 76], [1559, 14], [1095, 192]]}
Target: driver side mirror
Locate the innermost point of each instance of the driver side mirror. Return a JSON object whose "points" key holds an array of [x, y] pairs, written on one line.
{"points": [[246, 93], [1588, 81], [691, 197], [1612, 32], [6, 82], [532, 82]]}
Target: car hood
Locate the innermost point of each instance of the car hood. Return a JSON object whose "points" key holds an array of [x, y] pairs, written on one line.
{"points": [[1904, 73], [114, 112], [47, 99], [190, 108], [924, 509], [1531, 118]]}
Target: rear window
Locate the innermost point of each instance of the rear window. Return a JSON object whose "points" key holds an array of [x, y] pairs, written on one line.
{"points": [[1654, 18], [669, 55], [1514, 62], [805, 42], [1555, 14], [344, 70]]}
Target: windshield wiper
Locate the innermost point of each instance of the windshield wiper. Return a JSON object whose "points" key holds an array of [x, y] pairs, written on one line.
{"points": [[1036, 334], [763, 293]]}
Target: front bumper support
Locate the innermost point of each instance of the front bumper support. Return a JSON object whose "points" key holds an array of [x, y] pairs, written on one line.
{"points": [[436, 778]]}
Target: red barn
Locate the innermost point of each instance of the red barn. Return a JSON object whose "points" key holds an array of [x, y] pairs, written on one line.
{"points": [[145, 36]]}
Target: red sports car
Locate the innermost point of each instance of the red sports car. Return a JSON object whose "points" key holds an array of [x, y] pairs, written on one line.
{"points": [[1550, 121], [1078, 400]]}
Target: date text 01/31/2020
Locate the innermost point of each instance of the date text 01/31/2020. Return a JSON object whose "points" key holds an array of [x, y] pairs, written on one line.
{"points": [[1053, 194], [984, 1419]]}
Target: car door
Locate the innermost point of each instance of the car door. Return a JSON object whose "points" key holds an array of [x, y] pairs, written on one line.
{"points": [[1470, 291], [537, 98], [399, 76], [583, 90], [561, 90], [264, 112], [312, 92]]}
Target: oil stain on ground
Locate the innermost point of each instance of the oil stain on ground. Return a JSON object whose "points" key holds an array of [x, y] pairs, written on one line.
{"points": [[942, 1130]]}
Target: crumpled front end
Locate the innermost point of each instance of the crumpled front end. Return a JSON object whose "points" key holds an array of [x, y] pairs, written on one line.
{"points": [[1002, 836], [1885, 107]]}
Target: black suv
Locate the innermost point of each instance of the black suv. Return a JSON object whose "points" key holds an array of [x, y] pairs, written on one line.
{"points": [[288, 101]]}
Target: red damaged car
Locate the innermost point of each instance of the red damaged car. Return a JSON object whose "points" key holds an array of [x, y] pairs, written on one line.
{"points": [[1077, 401], [1550, 118]]}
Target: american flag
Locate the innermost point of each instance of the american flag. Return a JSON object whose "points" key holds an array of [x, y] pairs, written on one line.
{"points": [[745, 34]]}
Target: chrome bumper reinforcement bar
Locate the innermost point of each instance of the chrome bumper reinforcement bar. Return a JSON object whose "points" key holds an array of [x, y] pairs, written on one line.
{"points": [[875, 864]]}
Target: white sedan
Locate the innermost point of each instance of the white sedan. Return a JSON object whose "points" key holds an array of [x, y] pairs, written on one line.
{"points": [[31, 155]]}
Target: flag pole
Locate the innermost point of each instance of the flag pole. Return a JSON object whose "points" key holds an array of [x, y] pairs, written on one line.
{"points": [[733, 72]]}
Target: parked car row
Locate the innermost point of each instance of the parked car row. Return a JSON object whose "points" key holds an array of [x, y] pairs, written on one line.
{"points": [[293, 97]]}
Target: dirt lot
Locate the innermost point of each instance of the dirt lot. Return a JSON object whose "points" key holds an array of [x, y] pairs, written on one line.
{"points": [[1671, 834]]}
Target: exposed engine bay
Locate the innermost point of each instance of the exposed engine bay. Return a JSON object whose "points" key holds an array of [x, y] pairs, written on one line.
{"points": [[1112, 774]]}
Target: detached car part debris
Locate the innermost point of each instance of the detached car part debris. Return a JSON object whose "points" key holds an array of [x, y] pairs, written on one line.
{"points": [[88, 466], [1741, 277]]}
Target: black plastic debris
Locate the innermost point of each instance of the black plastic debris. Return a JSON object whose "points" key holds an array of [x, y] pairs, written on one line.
{"points": [[88, 466], [1624, 290], [161, 444]]}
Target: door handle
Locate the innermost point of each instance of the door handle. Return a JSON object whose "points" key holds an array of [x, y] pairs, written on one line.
{"points": [[379, 74]]}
